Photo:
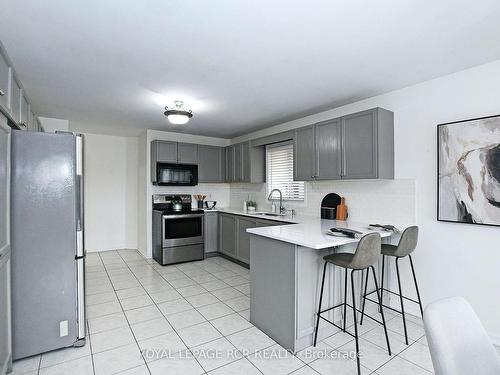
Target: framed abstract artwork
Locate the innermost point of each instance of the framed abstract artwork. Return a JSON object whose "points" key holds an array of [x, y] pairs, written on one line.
{"points": [[469, 171]]}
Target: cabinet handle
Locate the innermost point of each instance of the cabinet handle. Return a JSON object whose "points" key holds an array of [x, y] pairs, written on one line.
{"points": [[2, 93]]}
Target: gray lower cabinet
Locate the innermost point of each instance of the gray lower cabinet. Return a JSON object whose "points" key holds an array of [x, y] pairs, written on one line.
{"points": [[187, 153], [4, 81], [211, 164], [243, 251], [328, 152], [211, 232], [234, 241], [304, 168], [227, 228]]}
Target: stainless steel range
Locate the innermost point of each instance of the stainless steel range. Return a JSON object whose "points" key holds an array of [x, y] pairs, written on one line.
{"points": [[177, 230]]}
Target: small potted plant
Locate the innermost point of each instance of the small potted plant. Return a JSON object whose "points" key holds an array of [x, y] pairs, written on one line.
{"points": [[251, 206]]}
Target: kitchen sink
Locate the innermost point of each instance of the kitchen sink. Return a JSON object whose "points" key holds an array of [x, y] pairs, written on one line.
{"points": [[271, 214]]}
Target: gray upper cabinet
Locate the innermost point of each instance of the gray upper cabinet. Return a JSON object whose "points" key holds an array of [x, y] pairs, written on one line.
{"points": [[15, 100], [304, 168], [187, 153], [227, 238], [165, 151], [229, 164], [357, 146], [368, 145], [25, 111], [211, 164], [238, 163], [5, 72], [328, 150]]}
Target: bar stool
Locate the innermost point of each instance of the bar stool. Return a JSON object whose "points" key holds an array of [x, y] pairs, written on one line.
{"points": [[406, 245], [365, 256]]}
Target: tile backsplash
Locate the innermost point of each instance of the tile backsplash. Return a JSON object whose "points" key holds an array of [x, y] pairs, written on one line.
{"points": [[214, 192], [383, 201]]}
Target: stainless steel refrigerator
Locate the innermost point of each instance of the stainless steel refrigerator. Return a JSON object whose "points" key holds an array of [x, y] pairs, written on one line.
{"points": [[5, 330], [48, 295]]}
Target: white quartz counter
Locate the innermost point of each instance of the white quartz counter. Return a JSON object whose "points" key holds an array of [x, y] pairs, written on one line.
{"points": [[311, 232]]}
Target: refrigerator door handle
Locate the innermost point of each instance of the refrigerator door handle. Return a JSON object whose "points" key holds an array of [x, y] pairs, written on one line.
{"points": [[80, 252]]}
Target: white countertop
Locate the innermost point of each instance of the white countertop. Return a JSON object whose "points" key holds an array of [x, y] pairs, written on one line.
{"points": [[307, 231], [311, 232]]}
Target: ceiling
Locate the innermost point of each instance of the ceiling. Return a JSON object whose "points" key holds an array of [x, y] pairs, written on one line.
{"points": [[110, 66]]}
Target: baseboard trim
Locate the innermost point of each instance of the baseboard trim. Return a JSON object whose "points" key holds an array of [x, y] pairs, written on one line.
{"points": [[238, 262]]}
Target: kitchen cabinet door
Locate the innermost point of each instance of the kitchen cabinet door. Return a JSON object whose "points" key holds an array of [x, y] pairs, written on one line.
{"points": [[25, 111], [359, 141], [230, 164], [5, 304], [244, 238], [211, 232], [187, 153], [15, 100], [227, 239], [246, 163], [238, 163], [211, 164], [166, 152], [304, 168], [5, 72], [328, 150]]}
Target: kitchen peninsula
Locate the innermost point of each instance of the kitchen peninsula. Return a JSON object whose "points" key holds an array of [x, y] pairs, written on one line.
{"points": [[286, 265]]}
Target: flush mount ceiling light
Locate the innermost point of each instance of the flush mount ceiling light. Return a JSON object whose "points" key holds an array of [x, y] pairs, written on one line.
{"points": [[177, 114]]}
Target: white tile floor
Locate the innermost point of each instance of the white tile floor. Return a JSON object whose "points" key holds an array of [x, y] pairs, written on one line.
{"points": [[198, 314]]}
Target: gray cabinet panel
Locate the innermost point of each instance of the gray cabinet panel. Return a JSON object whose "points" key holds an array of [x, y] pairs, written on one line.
{"points": [[166, 151], [15, 101], [328, 150], [359, 156], [229, 164], [187, 153], [228, 235], [211, 164], [211, 232], [4, 81], [304, 154], [238, 162], [244, 238], [246, 163], [25, 111]]}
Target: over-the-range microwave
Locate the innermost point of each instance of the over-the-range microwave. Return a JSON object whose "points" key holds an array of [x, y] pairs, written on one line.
{"points": [[170, 174]]}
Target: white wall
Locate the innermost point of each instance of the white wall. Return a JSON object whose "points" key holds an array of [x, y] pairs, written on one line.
{"points": [[451, 259], [50, 125], [111, 192]]}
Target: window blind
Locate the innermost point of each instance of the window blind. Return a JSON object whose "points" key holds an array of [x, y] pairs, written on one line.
{"points": [[279, 169]]}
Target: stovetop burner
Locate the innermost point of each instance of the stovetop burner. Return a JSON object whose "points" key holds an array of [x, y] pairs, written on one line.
{"points": [[169, 204]]}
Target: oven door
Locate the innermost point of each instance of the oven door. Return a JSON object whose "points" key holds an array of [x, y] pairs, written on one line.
{"points": [[180, 230]]}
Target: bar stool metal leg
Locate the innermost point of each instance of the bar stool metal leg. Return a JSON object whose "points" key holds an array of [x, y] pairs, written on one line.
{"points": [[358, 360], [382, 281], [401, 299], [381, 309], [345, 299], [319, 307], [416, 286], [364, 297]]}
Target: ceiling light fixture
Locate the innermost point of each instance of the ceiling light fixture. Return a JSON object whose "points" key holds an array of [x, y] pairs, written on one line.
{"points": [[177, 114]]}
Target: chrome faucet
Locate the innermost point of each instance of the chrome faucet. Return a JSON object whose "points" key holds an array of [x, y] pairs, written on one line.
{"points": [[282, 208]]}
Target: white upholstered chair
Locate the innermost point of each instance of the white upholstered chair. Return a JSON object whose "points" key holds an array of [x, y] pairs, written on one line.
{"points": [[458, 342]]}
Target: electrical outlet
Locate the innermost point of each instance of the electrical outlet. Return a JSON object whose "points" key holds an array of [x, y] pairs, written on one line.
{"points": [[63, 328]]}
